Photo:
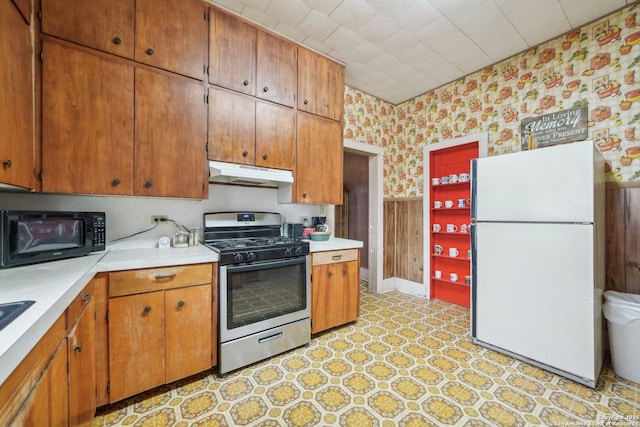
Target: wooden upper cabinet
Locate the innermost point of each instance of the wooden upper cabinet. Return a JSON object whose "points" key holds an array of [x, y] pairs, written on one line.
{"points": [[320, 85], [172, 35], [170, 135], [87, 128], [275, 136], [232, 128], [16, 99], [318, 161], [232, 53], [276, 69], [24, 6], [106, 25]]}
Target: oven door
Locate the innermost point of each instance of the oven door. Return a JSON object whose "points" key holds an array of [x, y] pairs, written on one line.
{"points": [[262, 295]]}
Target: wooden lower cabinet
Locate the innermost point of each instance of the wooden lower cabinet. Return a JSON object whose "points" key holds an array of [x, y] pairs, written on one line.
{"points": [[54, 385], [162, 331], [81, 362], [335, 293]]}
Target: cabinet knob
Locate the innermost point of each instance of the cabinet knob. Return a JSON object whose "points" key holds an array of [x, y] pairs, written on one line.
{"points": [[117, 40], [78, 348], [246, 82], [149, 51], [116, 182], [7, 163], [306, 101], [304, 195], [330, 273], [265, 156], [148, 184], [147, 309], [265, 89], [180, 303], [245, 153]]}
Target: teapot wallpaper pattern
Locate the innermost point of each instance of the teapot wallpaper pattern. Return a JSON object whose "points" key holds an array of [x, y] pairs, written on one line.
{"points": [[597, 65]]}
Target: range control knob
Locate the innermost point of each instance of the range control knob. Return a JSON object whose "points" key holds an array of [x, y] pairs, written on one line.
{"points": [[298, 250], [288, 251], [251, 256], [238, 258]]}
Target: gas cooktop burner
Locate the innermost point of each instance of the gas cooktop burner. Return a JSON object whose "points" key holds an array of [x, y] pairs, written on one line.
{"points": [[251, 243]]}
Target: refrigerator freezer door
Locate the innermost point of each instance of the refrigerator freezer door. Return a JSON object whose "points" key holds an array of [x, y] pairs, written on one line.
{"points": [[533, 293], [553, 184]]}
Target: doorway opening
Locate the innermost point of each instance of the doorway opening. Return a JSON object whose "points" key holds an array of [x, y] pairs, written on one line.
{"points": [[361, 215]]}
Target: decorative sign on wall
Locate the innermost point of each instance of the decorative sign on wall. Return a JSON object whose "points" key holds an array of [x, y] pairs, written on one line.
{"points": [[554, 128]]}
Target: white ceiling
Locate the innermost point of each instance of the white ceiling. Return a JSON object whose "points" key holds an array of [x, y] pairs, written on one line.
{"points": [[399, 49]]}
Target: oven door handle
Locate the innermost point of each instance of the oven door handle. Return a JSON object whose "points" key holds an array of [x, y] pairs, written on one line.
{"points": [[271, 337], [266, 264]]}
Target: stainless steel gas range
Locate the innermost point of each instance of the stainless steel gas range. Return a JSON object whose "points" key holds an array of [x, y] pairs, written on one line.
{"points": [[264, 287]]}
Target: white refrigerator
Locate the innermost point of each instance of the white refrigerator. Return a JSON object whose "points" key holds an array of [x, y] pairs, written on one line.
{"points": [[537, 240]]}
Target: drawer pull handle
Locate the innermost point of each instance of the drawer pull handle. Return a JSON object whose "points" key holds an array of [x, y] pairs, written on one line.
{"points": [[78, 348], [147, 309], [336, 257], [85, 298], [165, 276], [149, 51], [180, 303], [117, 40], [271, 337]]}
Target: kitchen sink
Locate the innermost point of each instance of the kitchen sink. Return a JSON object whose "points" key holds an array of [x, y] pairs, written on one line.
{"points": [[10, 310]]}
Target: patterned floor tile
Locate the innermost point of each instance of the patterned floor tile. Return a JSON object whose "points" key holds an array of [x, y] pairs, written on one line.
{"points": [[405, 362]]}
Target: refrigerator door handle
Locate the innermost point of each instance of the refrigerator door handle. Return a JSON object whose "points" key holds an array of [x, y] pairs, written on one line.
{"points": [[474, 278], [474, 195]]}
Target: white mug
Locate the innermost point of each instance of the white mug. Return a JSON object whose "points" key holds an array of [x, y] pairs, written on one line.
{"points": [[437, 249], [453, 277], [437, 274], [464, 177], [452, 228], [453, 178], [462, 203], [448, 204], [436, 227], [463, 228], [445, 179], [469, 254], [453, 252], [437, 204], [435, 181]]}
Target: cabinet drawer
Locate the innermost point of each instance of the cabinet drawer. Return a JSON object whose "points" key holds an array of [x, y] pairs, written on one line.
{"points": [[332, 257], [154, 279], [75, 308]]}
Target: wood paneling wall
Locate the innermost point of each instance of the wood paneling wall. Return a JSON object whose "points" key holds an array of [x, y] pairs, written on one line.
{"points": [[623, 232], [403, 239]]}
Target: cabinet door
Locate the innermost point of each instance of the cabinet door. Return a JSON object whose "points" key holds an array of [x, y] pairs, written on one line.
{"points": [[320, 85], [188, 331], [232, 127], [170, 135], [106, 25], [136, 344], [87, 128], [101, 293], [276, 70], [16, 99], [232, 53], [214, 315], [82, 377], [335, 296], [172, 35], [318, 160], [47, 403], [275, 136]]}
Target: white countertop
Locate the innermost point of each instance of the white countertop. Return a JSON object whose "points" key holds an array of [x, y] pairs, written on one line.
{"points": [[54, 285], [334, 243]]}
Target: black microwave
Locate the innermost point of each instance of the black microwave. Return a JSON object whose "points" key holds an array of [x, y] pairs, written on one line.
{"points": [[28, 237]]}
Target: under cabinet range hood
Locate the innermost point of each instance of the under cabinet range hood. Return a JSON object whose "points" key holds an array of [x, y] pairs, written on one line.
{"points": [[232, 173]]}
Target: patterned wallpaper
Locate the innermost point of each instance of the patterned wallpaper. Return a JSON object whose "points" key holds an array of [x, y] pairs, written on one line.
{"points": [[597, 65]]}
